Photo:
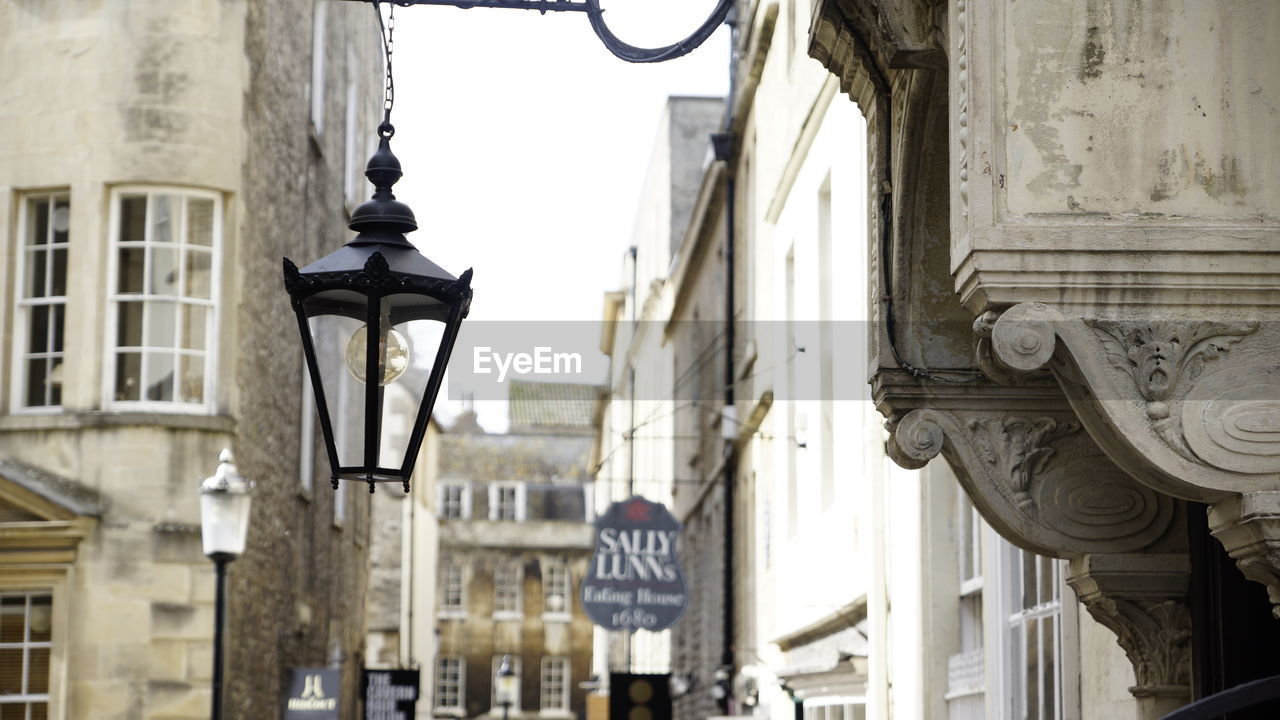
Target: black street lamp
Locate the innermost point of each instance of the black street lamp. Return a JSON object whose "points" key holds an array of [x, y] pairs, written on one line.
{"points": [[365, 310], [506, 686], [224, 525], [369, 307]]}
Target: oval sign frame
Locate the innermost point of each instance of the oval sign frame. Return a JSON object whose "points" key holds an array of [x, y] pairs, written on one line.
{"points": [[634, 580]]}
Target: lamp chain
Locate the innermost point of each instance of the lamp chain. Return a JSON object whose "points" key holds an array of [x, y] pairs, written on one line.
{"points": [[388, 31]]}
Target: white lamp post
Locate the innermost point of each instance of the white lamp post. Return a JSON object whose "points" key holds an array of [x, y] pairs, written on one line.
{"points": [[506, 689], [224, 525]]}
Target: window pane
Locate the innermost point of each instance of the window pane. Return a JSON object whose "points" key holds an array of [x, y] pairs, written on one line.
{"points": [[34, 285], [38, 333], [38, 671], [1047, 593], [41, 618], [1050, 678], [57, 313], [200, 221], [129, 324], [1032, 654], [12, 616], [199, 267], [164, 271], [36, 381], [133, 217], [59, 277], [39, 711], [191, 387], [159, 379], [129, 376], [132, 260], [162, 213], [162, 324], [10, 671], [1028, 579], [38, 219], [61, 219], [194, 319]]}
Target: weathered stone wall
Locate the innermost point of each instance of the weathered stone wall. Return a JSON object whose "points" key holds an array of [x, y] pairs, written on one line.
{"points": [[298, 595]]}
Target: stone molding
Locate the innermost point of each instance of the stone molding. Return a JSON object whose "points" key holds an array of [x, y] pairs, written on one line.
{"points": [[1142, 599]]}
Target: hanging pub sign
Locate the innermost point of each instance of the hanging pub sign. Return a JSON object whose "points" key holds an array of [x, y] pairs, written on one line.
{"points": [[389, 694], [313, 694], [635, 580]]}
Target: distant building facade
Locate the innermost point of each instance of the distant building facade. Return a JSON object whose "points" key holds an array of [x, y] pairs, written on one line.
{"points": [[515, 515], [156, 161], [635, 452]]}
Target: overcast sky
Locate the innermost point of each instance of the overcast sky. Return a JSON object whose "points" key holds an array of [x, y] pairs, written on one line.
{"points": [[525, 143]]}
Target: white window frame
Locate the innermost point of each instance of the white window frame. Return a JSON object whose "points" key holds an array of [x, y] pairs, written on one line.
{"points": [[517, 666], [464, 501], [115, 298], [26, 645], [565, 585], [1012, 615], [500, 572], [545, 680], [439, 681], [23, 306], [495, 493], [448, 572]]}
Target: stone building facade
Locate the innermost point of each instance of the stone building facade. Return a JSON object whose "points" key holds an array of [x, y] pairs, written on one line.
{"points": [[1072, 259], [156, 161], [514, 542]]}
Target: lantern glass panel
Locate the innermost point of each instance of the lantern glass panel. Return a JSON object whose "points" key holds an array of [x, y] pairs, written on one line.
{"points": [[343, 394], [402, 398]]}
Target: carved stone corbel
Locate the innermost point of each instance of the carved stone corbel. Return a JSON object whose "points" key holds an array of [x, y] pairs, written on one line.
{"points": [[1037, 478], [1142, 599], [1248, 527], [1188, 407]]}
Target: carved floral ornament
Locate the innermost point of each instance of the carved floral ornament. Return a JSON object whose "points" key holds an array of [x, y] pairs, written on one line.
{"points": [[1176, 374]]}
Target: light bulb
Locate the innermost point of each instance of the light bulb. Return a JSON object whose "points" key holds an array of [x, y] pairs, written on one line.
{"points": [[395, 355]]}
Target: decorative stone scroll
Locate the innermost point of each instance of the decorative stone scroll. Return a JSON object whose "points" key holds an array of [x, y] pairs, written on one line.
{"points": [[1037, 479]]}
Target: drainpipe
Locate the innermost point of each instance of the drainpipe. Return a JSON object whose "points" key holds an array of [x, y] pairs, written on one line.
{"points": [[725, 147]]}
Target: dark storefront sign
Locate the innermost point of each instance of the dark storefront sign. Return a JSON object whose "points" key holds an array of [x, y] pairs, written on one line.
{"points": [[639, 697], [635, 580], [313, 694], [389, 694]]}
